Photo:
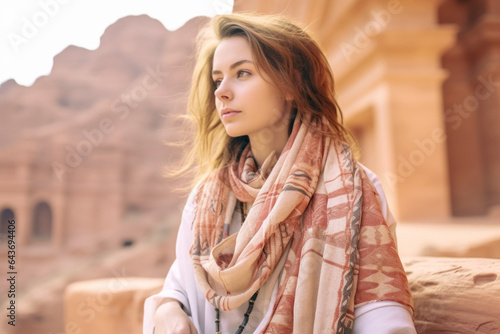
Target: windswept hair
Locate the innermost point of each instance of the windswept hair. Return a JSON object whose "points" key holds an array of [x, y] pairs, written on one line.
{"points": [[288, 55]]}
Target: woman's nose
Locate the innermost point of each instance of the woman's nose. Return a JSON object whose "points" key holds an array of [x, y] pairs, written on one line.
{"points": [[223, 92]]}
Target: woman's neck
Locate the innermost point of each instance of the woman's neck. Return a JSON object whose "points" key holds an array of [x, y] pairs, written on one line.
{"points": [[273, 138], [267, 141]]}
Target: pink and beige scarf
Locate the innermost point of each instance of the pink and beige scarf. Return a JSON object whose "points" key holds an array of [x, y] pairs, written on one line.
{"points": [[318, 203]]}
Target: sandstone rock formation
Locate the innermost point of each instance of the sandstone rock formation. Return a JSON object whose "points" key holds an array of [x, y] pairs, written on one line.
{"points": [[455, 295], [104, 115], [451, 295]]}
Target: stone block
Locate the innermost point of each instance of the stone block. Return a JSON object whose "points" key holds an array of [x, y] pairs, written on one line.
{"points": [[111, 305], [451, 295]]}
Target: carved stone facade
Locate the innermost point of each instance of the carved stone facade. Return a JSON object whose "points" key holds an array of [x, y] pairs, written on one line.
{"points": [[83, 149], [400, 66]]}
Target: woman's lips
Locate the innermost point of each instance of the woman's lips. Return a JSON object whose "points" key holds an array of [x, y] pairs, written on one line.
{"points": [[226, 113]]}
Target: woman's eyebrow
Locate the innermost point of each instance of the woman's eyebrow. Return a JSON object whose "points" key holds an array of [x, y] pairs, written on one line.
{"points": [[234, 65]]}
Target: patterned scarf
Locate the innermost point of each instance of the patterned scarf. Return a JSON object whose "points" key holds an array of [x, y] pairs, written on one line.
{"points": [[318, 203]]}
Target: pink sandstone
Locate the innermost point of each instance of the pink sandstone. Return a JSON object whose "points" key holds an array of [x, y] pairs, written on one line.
{"points": [[451, 295]]}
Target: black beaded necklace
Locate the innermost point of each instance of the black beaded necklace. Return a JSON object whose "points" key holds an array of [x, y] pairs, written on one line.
{"points": [[251, 302], [245, 319]]}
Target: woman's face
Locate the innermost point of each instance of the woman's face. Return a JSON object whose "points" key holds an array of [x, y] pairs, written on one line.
{"points": [[247, 102]]}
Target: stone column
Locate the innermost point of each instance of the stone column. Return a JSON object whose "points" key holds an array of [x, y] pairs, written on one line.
{"points": [[24, 153], [467, 179], [107, 164], [60, 197], [386, 58], [471, 98], [58, 209]]}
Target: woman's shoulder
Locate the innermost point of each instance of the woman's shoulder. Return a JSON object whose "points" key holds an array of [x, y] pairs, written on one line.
{"points": [[380, 190], [192, 200], [372, 176]]}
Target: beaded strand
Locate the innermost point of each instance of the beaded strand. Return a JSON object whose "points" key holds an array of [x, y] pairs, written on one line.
{"points": [[251, 302], [240, 329]]}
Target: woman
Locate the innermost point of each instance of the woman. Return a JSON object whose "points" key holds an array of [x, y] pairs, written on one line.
{"points": [[285, 232]]}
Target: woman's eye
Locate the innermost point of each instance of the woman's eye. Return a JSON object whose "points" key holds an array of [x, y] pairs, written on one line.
{"points": [[243, 73], [239, 74]]}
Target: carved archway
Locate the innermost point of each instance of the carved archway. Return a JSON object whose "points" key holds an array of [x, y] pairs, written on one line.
{"points": [[6, 215], [42, 222]]}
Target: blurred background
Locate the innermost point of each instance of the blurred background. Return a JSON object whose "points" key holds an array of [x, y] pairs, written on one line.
{"points": [[82, 150]]}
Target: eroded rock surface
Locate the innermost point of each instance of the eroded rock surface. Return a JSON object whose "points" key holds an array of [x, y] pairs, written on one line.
{"points": [[455, 295]]}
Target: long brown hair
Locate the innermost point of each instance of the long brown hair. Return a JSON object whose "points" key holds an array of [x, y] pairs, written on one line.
{"points": [[289, 55]]}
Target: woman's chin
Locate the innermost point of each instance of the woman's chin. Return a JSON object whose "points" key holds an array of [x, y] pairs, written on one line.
{"points": [[232, 132]]}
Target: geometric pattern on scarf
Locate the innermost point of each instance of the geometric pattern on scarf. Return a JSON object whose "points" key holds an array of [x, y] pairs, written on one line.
{"points": [[319, 208]]}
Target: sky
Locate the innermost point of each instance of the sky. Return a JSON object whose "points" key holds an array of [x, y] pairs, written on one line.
{"points": [[32, 32]]}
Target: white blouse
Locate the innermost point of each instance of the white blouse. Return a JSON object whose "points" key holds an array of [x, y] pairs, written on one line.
{"points": [[382, 317]]}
